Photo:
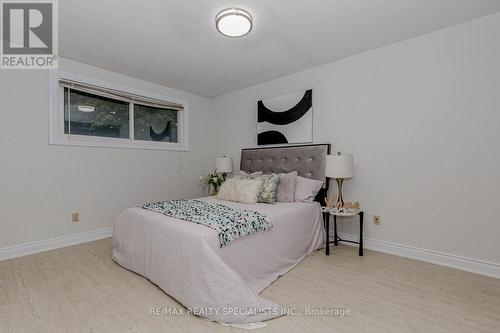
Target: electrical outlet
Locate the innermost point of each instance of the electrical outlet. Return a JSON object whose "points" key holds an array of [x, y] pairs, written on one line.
{"points": [[75, 217], [376, 219]]}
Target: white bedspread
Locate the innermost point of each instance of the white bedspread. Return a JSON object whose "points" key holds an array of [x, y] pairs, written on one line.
{"points": [[185, 260]]}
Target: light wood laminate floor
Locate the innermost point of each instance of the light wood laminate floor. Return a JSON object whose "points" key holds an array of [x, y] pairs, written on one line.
{"points": [[80, 289]]}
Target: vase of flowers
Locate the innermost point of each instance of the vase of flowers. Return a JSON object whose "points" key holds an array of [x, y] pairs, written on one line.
{"points": [[212, 181]]}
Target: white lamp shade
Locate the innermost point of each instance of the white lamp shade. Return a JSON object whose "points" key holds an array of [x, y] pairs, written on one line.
{"points": [[339, 166], [224, 164]]}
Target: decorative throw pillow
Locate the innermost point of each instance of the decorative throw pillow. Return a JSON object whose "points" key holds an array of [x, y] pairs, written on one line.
{"points": [[307, 189], [286, 187], [240, 190], [268, 190]]}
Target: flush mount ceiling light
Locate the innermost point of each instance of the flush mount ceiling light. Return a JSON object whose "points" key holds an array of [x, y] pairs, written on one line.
{"points": [[234, 22], [86, 108]]}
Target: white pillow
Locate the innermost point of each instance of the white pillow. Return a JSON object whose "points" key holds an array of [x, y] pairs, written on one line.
{"points": [[307, 189], [240, 190]]}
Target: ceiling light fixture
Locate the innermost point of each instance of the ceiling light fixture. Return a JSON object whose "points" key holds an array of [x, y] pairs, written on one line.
{"points": [[234, 22], [86, 108]]}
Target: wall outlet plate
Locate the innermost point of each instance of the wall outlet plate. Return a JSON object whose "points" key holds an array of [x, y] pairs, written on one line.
{"points": [[376, 219], [75, 217]]}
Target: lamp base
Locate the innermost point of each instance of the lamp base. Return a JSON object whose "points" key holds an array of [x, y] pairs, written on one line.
{"points": [[340, 199]]}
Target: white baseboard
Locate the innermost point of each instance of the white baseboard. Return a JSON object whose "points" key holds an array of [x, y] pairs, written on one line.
{"points": [[53, 243], [463, 263], [439, 258]]}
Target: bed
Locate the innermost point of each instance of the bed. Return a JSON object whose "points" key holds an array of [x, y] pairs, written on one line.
{"points": [[223, 283]]}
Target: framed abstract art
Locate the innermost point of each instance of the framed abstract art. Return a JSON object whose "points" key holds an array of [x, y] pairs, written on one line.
{"points": [[285, 119]]}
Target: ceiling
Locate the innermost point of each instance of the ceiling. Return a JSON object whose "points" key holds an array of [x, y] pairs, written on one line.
{"points": [[174, 42]]}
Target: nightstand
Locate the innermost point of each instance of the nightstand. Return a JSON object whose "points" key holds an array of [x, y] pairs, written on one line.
{"points": [[336, 238]]}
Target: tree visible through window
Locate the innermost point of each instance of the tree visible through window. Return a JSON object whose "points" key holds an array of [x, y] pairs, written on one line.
{"points": [[92, 115], [88, 114]]}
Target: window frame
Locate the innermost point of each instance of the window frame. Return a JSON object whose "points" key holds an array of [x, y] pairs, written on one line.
{"points": [[56, 118]]}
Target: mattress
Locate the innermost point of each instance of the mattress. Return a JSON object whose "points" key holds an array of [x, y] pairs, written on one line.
{"points": [[222, 284]]}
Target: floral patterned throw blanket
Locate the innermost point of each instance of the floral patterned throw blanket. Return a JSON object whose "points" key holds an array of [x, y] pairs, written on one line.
{"points": [[230, 223]]}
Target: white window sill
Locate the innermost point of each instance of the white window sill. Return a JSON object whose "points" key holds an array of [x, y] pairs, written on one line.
{"points": [[117, 143]]}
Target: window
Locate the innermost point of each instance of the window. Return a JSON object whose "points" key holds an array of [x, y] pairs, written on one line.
{"points": [[87, 112], [94, 115], [154, 124]]}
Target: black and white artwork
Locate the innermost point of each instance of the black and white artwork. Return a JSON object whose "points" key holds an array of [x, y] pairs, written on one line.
{"points": [[285, 119]]}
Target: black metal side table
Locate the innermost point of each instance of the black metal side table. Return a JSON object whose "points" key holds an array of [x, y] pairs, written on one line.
{"points": [[336, 238]]}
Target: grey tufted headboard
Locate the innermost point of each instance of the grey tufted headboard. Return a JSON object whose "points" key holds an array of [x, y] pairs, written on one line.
{"points": [[308, 160]]}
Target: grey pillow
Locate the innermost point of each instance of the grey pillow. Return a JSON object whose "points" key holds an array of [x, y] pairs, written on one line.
{"points": [[286, 187], [307, 189]]}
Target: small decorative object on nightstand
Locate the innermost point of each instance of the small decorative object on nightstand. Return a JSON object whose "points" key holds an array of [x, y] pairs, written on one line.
{"points": [[224, 165], [212, 181]]}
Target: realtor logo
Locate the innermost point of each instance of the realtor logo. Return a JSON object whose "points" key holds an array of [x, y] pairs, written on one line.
{"points": [[29, 34]]}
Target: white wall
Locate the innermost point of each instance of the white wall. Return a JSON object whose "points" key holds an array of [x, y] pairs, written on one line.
{"points": [[422, 118], [41, 184]]}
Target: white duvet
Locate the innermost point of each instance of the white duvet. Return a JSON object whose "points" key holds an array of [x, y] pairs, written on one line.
{"points": [[185, 260]]}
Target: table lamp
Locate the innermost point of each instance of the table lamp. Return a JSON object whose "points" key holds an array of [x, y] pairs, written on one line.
{"points": [[224, 165], [339, 167]]}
